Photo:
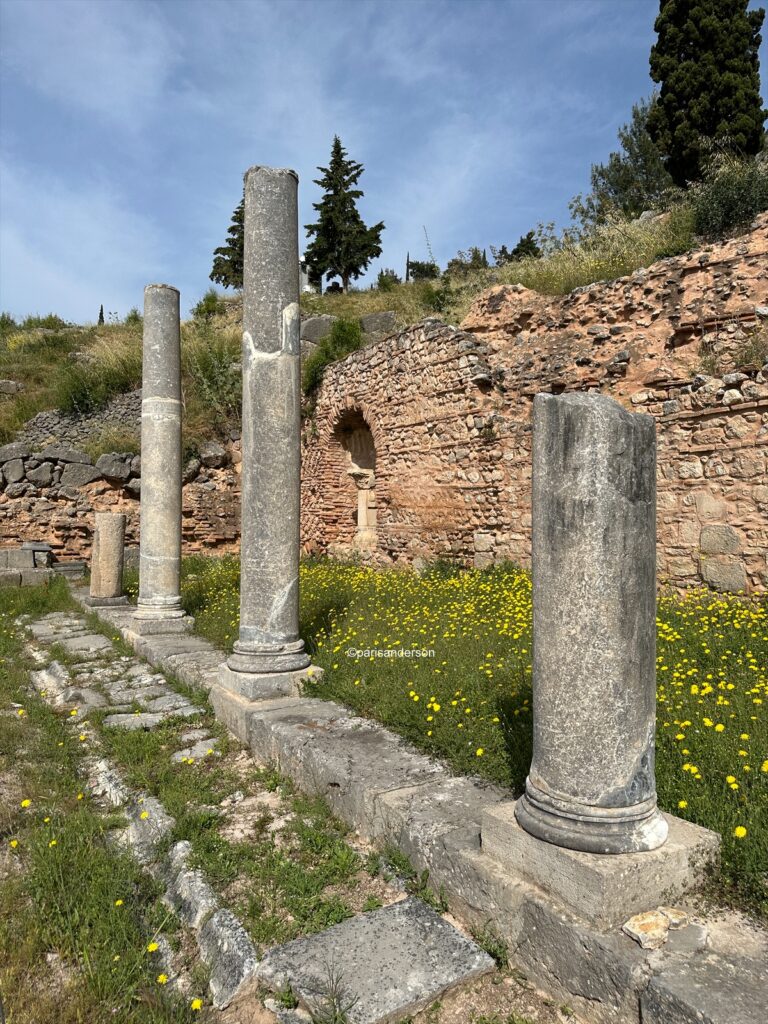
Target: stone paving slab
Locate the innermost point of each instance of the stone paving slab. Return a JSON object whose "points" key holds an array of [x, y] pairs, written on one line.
{"points": [[391, 963]]}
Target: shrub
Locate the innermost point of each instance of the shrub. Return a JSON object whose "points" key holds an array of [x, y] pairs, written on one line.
{"points": [[133, 318], [49, 322], [114, 367], [210, 362], [388, 280], [209, 306], [346, 336], [7, 324], [732, 194]]}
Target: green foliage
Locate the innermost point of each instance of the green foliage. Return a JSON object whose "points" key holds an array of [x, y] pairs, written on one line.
{"points": [[209, 306], [101, 314], [387, 280], [228, 258], [634, 179], [423, 270], [346, 336], [493, 944], [733, 192], [133, 318], [527, 246], [464, 263], [342, 246], [49, 322], [210, 365], [7, 325], [83, 387], [707, 63]]}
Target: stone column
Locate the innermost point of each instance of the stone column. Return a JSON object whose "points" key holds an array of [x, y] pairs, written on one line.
{"points": [[269, 656], [591, 784], [107, 554], [159, 606]]}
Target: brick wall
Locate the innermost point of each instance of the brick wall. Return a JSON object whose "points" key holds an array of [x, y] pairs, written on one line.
{"points": [[449, 411]]}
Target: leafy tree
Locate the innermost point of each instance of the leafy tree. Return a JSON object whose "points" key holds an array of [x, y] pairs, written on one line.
{"points": [[422, 270], [342, 245], [706, 62], [101, 313], [527, 246], [133, 318], [634, 179], [387, 280], [465, 262], [228, 258]]}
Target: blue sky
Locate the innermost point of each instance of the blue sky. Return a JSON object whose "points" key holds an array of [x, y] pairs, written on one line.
{"points": [[127, 126]]}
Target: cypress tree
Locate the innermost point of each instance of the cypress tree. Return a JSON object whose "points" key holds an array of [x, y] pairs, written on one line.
{"points": [[706, 62], [101, 313], [228, 258], [342, 245]]}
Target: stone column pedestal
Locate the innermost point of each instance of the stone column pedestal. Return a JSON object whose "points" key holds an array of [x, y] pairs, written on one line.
{"points": [[159, 607], [107, 557], [591, 787], [269, 659]]}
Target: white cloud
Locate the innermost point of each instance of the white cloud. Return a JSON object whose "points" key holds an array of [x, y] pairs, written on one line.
{"points": [[112, 59], [67, 250]]}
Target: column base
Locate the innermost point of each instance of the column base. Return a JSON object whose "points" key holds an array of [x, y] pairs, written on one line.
{"points": [[603, 830], [146, 626], [105, 602], [263, 661], [256, 686], [603, 890]]}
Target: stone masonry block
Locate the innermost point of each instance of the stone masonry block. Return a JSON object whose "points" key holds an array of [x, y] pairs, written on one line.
{"points": [[602, 889]]}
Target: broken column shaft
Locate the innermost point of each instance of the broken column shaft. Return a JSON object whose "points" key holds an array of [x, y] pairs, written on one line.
{"points": [[591, 784], [107, 555], [159, 604], [268, 649]]}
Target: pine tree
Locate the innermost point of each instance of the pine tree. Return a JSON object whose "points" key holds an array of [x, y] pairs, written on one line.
{"points": [[342, 245], [228, 258], [634, 179], [527, 246], [706, 61]]}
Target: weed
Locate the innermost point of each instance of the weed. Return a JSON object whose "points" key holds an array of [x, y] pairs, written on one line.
{"points": [[336, 1003], [493, 944]]}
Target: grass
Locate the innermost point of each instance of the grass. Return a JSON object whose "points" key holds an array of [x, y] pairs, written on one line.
{"points": [[110, 360], [69, 893], [470, 704]]}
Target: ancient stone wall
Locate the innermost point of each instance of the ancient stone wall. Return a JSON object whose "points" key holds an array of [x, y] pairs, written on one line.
{"points": [[449, 412], [51, 495]]}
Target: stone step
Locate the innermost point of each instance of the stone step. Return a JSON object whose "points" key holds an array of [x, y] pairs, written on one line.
{"points": [[379, 967]]}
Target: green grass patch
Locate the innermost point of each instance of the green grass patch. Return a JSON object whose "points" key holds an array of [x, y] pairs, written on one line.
{"points": [[470, 703], [72, 895]]}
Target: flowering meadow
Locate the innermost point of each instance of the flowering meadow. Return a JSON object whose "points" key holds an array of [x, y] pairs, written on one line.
{"points": [[466, 695]]}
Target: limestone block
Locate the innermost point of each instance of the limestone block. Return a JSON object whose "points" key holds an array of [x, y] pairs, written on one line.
{"points": [[13, 471], [379, 323], [63, 453], [727, 575], [42, 475], [315, 328], [719, 540], [113, 467], [14, 451], [78, 474], [602, 890], [709, 507]]}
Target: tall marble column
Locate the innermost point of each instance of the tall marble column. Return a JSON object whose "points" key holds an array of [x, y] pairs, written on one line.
{"points": [[591, 784], [159, 605], [107, 557], [269, 655]]}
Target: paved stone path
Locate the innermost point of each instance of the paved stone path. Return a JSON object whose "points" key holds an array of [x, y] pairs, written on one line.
{"points": [[384, 965], [136, 697]]}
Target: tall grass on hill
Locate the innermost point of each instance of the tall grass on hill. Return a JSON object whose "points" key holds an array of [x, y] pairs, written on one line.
{"points": [[112, 366]]}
